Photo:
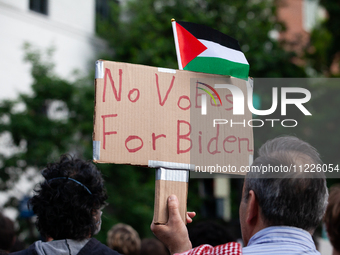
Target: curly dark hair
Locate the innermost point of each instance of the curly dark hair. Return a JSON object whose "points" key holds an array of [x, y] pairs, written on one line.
{"points": [[64, 208]]}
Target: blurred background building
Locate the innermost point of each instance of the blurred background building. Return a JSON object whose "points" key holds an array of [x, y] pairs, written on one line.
{"points": [[299, 18], [67, 26]]}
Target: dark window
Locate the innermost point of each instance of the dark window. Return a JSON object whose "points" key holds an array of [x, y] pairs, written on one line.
{"points": [[103, 9], [104, 12], [39, 6]]}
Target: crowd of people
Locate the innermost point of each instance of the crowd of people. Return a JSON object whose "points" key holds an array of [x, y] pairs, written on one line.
{"points": [[278, 213]]}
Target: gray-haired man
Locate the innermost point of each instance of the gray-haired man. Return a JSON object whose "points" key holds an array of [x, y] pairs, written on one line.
{"points": [[278, 211]]}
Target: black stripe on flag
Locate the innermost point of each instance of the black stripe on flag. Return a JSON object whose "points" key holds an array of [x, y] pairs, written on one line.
{"points": [[210, 34]]}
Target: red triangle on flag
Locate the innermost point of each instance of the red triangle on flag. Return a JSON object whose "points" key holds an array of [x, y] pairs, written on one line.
{"points": [[189, 46]]}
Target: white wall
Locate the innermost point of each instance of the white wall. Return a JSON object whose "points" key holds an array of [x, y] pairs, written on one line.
{"points": [[79, 14], [69, 27], [18, 4]]}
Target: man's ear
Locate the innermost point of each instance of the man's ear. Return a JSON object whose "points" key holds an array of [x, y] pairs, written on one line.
{"points": [[252, 215]]}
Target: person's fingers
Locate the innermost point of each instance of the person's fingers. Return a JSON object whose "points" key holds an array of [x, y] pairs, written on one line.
{"points": [[157, 229], [173, 208], [152, 226], [190, 215], [189, 220]]}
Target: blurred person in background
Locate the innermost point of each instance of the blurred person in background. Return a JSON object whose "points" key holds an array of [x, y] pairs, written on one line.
{"points": [[68, 207], [332, 218], [151, 246], [124, 239], [7, 234]]}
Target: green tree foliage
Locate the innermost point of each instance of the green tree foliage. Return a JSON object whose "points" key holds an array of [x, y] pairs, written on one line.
{"points": [[321, 129], [28, 123], [57, 118], [140, 32], [322, 54], [325, 40]]}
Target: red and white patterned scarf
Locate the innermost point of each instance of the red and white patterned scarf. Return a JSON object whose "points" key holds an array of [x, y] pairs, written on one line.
{"points": [[231, 248]]}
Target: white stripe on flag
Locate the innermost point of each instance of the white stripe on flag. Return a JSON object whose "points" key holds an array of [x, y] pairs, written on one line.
{"points": [[179, 60], [218, 51]]}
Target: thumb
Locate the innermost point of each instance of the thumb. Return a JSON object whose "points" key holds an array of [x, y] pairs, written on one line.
{"points": [[173, 205]]}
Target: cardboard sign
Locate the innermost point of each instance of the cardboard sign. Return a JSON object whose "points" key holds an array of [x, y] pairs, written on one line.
{"points": [[144, 115]]}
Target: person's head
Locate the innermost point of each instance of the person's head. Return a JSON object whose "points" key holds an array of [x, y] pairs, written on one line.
{"points": [[209, 232], [67, 203], [124, 239], [294, 198], [7, 233], [151, 246], [332, 217]]}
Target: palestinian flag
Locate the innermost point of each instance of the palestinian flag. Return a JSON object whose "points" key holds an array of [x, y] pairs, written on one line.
{"points": [[203, 49]]}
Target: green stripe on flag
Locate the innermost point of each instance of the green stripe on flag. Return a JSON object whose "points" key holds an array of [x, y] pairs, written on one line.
{"points": [[218, 66]]}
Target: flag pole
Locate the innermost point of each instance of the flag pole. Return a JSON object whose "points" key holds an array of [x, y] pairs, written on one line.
{"points": [[179, 60]]}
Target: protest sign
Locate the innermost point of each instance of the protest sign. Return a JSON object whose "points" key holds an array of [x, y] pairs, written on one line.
{"points": [[143, 114], [154, 117]]}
